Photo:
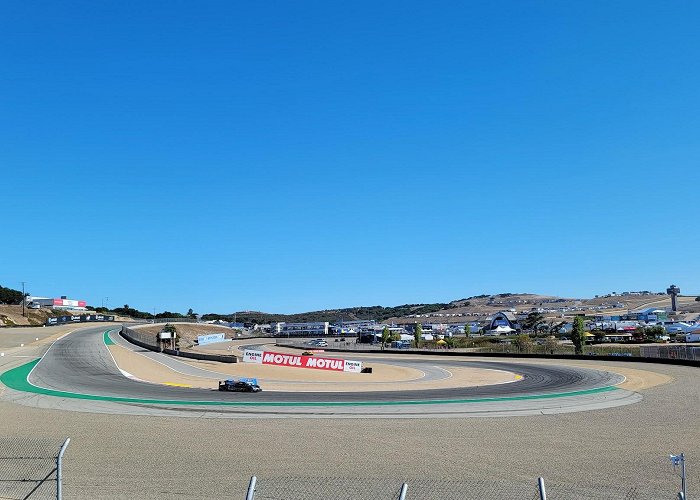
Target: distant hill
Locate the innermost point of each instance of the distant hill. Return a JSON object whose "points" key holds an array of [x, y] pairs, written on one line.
{"points": [[467, 309], [378, 313]]}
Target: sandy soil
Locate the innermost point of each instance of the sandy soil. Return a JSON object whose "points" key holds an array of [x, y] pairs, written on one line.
{"points": [[384, 377]]}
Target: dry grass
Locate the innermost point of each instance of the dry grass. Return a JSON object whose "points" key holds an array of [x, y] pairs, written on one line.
{"points": [[189, 331]]}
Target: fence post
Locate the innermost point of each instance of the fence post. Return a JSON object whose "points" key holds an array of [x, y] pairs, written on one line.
{"points": [[251, 488], [404, 489], [540, 486], [59, 470]]}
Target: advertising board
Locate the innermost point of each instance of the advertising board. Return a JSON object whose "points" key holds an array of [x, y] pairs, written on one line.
{"points": [[212, 338], [293, 360], [83, 318]]}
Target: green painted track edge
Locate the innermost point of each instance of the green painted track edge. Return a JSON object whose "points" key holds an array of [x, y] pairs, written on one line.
{"points": [[107, 339], [17, 379]]}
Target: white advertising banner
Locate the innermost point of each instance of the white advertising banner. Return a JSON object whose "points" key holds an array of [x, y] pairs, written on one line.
{"points": [[253, 357], [352, 366]]}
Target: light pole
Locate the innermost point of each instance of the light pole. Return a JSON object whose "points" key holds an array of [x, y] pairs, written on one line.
{"points": [[679, 460]]}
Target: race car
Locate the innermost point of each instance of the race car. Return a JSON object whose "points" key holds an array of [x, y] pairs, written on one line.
{"points": [[238, 386]]}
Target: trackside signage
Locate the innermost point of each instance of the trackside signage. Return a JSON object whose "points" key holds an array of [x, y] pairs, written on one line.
{"points": [[210, 339], [314, 362]]}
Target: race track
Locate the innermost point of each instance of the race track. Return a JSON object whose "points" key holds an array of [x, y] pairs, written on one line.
{"points": [[79, 373]]}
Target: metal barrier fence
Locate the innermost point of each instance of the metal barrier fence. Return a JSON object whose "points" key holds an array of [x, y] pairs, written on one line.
{"points": [[146, 340], [31, 469], [671, 352], [175, 320], [315, 488]]}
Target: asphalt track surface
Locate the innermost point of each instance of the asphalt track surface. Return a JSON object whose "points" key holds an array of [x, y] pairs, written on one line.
{"points": [[81, 363]]}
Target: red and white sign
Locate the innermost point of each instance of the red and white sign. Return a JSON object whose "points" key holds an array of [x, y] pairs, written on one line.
{"points": [[315, 362], [69, 303]]}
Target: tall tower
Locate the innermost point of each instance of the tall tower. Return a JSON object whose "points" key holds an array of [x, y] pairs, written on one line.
{"points": [[673, 291]]}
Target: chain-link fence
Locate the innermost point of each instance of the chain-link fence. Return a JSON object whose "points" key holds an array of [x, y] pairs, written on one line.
{"points": [[31, 469], [671, 352], [315, 488]]}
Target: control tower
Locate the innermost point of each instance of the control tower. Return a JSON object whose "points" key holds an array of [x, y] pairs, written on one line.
{"points": [[673, 291]]}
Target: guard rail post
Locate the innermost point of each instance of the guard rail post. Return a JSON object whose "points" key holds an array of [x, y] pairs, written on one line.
{"points": [[540, 487], [59, 470], [404, 489], [251, 488]]}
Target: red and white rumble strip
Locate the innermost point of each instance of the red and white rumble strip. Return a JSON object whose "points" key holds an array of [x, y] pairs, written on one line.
{"points": [[315, 362]]}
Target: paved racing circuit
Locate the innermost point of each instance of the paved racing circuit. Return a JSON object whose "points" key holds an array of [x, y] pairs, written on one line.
{"points": [[78, 373]]}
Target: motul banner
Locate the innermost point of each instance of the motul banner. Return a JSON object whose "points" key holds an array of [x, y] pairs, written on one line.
{"points": [[315, 362]]}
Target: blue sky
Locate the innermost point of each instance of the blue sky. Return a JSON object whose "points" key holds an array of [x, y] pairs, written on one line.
{"points": [[290, 156]]}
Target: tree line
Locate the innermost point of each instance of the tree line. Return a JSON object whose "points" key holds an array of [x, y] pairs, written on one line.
{"points": [[10, 296]]}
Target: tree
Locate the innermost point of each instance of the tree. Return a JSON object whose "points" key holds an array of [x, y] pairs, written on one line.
{"points": [[555, 327], [523, 342], [578, 335], [10, 296], [551, 344], [599, 335], [640, 334], [191, 313], [533, 321], [467, 330], [395, 336], [385, 336], [417, 334]]}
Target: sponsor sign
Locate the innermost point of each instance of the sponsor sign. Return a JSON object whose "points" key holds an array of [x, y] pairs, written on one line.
{"points": [[211, 338], [78, 319], [253, 357], [314, 362], [352, 366], [165, 335]]}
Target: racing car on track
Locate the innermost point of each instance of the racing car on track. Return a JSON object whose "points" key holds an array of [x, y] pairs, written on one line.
{"points": [[238, 386]]}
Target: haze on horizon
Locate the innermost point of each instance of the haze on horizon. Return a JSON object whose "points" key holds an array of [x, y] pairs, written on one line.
{"points": [[294, 157]]}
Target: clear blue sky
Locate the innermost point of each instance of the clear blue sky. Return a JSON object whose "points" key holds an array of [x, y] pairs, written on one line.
{"points": [[290, 156]]}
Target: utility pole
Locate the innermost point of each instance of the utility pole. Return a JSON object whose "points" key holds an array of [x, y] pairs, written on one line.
{"points": [[24, 299]]}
